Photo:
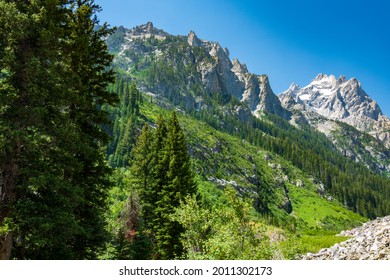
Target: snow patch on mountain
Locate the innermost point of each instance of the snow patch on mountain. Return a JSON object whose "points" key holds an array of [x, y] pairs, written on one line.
{"points": [[340, 99]]}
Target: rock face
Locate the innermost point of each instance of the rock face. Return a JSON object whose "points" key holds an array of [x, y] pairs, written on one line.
{"points": [[145, 31], [339, 99], [371, 241], [341, 110], [215, 72], [257, 92], [193, 73], [193, 40]]}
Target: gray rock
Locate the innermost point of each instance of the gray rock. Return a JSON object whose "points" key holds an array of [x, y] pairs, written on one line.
{"points": [[341, 100], [369, 242]]}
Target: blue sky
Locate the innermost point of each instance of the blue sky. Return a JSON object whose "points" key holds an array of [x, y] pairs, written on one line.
{"points": [[290, 41]]}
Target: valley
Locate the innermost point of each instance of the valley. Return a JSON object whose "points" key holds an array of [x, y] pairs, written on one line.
{"points": [[136, 144]]}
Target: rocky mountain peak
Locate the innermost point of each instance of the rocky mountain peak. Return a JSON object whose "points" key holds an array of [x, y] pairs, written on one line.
{"points": [[218, 52], [217, 73], [147, 30], [193, 40], [340, 100], [320, 76], [341, 79], [149, 27], [268, 101], [239, 69], [292, 90]]}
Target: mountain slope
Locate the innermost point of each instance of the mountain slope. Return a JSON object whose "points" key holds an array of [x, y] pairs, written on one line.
{"points": [[288, 195], [341, 110], [342, 100], [301, 184], [197, 78], [193, 69]]}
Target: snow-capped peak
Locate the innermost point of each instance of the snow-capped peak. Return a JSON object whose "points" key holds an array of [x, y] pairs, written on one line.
{"points": [[324, 80], [294, 88], [338, 99], [291, 91]]}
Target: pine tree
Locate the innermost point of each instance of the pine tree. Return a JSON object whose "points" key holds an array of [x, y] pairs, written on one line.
{"points": [[125, 143], [126, 98], [142, 173], [179, 184], [160, 158], [161, 172], [132, 99], [52, 169]]}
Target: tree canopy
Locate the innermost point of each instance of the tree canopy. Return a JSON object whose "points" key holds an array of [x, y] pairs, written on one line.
{"points": [[53, 83]]}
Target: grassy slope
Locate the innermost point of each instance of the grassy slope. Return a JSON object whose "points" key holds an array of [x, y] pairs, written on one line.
{"points": [[314, 219]]}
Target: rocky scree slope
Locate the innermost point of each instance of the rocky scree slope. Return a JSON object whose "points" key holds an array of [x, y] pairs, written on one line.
{"points": [[371, 241]]}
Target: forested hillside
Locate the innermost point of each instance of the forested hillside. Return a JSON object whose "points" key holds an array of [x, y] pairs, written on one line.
{"points": [[283, 173], [171, 68]]}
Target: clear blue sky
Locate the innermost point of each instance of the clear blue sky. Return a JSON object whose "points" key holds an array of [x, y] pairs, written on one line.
{"points": [[290, 41]]}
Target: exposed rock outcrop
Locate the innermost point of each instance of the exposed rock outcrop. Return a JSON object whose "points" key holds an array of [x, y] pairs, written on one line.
{"points": [[193, 40], [340, 99], [330, 105], [216, 72]]}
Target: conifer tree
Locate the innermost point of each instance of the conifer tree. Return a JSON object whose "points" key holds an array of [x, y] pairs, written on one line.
{"points": [[160, 158], [126, 98], [52, 171], [179, 184], [126, 142], [142, 172], [161, 172]]}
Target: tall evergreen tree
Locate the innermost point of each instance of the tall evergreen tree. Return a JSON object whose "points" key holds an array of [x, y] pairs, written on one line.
{"points": [[126, 142], [161, 172], [142, 172], [52, 169], [160, 159], [179, 184], [134, 96]]}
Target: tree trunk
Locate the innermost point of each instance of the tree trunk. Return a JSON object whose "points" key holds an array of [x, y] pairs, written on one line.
{"points": [[7, 199], [10, 164], [6, 246]]}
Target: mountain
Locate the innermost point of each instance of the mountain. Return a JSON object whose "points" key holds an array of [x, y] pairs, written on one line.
{"points": [[209, 68], [342, 110], [197, 77], [342, 100], [301, 181]]}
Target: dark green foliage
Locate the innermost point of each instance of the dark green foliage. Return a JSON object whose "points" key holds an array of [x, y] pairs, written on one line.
{"points": [[162, 176], [52, 168], [126, 118], [142, 172], [179, 183], [266, 194]]}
